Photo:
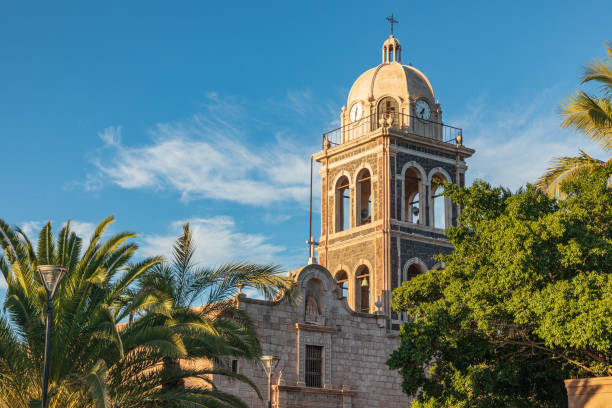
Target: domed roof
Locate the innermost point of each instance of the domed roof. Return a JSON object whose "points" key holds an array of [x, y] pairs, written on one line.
{"points": [[391, 78]]}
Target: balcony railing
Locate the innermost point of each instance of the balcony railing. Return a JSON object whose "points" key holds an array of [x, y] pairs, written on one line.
{"points": [[408, 124]]}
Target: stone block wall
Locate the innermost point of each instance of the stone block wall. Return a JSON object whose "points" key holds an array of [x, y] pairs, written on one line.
{"points": [[355, 351]]}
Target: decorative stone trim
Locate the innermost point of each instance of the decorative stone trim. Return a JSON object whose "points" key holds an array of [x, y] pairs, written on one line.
{"points": [[316, 328], [312, 390], [314, 336]]}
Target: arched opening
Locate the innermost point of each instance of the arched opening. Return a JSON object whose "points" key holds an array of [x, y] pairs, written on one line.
{"points": [[438, 203], [387, 108], [364, 197], [413, 270], [412, 196], [362, 280], [342, 282], [343, 204]]}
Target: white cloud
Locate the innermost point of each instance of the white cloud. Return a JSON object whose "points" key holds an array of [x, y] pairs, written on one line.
{"points": [[217, 241], [83, 229], [111, 136], [32, 229], [514, 145], [205, 157]]}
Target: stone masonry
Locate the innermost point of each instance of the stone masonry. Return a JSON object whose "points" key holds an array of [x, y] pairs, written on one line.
{"points": [[354, 345]]}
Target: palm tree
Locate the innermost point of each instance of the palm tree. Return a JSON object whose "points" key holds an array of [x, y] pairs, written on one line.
{"points": [[95, 362], [203, 309], [589, 114]]}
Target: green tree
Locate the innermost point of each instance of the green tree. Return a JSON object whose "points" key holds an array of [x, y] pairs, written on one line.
{"points": [[203, 312], [524, 301], [94, 361], [589, 114]]}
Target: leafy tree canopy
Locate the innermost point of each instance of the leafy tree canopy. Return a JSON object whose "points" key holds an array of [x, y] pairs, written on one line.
{"points": [[524, 301]]}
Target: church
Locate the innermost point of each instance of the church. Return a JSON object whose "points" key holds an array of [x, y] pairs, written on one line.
{"points": [[382, 222]]}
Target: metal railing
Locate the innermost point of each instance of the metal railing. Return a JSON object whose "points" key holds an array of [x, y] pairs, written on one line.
{"points": [[411, 125]]}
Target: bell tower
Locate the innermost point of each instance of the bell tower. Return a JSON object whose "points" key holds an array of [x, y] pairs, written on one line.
{"points": [[382, 215]]}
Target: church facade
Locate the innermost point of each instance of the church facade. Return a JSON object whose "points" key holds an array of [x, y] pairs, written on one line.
{"points": [[382, 223]]}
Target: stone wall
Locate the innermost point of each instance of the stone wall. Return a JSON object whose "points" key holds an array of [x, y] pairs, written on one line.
{"points": [[589, 392], [355, 350]]}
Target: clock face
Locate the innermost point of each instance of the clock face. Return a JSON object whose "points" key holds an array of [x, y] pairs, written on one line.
{"points": [[356, 112], [422, 108]]}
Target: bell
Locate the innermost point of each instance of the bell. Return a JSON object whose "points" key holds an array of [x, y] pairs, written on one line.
{"points": [[364, 282], [415, 211]]}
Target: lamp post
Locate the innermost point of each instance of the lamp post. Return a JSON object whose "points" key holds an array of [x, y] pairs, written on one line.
{"points": [[269, 363], [51, 277]]}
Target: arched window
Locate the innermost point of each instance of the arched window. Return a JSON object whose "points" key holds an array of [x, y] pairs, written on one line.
{"points": [[342, 279], [439, 205], [362, 280], [364, 197], [343, 204], [387, 108], [412, 196], [413, 271]]}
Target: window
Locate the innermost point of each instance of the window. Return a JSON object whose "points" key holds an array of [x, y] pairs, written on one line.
{"points": [[387, 108], [412, 196], [342, 279], [234, 366], [438, 201], [413, 271], [314, 365], [343, 204], [363, 289], [364, 197]]}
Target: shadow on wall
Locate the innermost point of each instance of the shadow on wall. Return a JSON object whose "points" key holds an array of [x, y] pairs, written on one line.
{"points": [[589, 392]]}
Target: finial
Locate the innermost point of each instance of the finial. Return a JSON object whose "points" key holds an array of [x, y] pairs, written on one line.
{"points": [[459, 139], [312, 259], [391, 20]]}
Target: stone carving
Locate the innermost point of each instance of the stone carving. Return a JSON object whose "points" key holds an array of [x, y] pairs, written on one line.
{"points": [[312, 308]]}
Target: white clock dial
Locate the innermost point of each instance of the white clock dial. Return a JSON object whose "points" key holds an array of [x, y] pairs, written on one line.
{"points": [[356, 112], [422, 109]]}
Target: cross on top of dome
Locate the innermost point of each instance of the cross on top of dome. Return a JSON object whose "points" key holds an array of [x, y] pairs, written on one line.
{"points": [[391, 20], [391, 49]]}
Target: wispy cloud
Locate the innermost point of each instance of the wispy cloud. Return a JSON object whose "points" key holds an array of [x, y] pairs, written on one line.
{"points": [[217, 240], [216, 154], [111, 136], [515, 143]]}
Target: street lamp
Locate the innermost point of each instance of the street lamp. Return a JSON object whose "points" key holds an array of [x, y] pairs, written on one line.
{"points": [[51, 277], [269, 363]]}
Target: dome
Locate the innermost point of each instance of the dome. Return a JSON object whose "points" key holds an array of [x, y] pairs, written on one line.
{"points": [[391, 78]]}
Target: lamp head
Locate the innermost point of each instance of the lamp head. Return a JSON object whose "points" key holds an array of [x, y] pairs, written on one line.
{"points": [[51, 277], [269, 363]]}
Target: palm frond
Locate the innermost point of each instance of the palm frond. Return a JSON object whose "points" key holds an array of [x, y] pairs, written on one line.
{"points": [[95, 382], [600, 70], [46, 246], [590, 115], [564, 169]]}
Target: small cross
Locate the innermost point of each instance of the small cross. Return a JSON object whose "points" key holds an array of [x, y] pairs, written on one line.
{"points": [[312, 259], [391, 20]]}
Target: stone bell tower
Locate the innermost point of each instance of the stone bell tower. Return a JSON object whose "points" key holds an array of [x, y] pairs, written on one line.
{"points": [[382, 215]]}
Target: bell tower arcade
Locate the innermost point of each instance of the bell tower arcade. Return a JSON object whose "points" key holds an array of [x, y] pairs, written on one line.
{"points": [[382, 213]]}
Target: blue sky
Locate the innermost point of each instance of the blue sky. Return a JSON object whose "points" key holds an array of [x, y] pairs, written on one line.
{"points": [[163, 112]]}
